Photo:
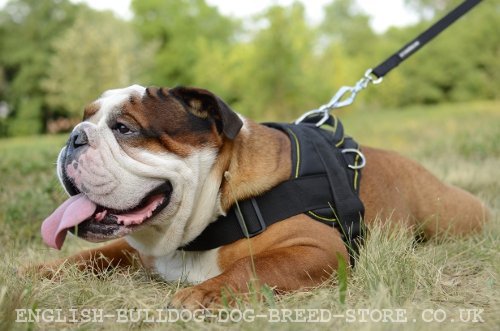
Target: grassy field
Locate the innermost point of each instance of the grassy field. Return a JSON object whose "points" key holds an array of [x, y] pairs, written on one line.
{"points": [[426, 284]]}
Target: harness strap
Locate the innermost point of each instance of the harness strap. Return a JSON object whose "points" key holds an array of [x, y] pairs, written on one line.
{"points": [[348, 206], [252, 216]]}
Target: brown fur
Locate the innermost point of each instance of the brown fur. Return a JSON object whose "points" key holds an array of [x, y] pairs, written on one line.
{"points": [[296, 253], [157, 111], [90, 110], [251, 170]]}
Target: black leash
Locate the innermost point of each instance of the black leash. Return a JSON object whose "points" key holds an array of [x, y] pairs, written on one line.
{"points": [[346, 94], [410, 48]]}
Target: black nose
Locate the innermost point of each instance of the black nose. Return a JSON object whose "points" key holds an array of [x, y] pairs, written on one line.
{"points": [[78, 138]]}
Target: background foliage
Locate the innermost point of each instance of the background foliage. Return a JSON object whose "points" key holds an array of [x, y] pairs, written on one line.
{"points": [[56, 56]]}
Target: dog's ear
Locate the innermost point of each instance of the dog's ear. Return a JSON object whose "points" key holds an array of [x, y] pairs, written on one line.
{"points": [[205, 104]]}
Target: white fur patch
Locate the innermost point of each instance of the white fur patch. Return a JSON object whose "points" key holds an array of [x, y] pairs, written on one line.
{"points": [[108, 176], [192, 267], [194, 197], [112, 99]]}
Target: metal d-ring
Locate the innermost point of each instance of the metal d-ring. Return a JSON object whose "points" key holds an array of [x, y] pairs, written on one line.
{"points": [[361, 155]]}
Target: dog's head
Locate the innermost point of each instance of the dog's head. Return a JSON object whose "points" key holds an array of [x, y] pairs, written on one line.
{"points": [[141, 159]]}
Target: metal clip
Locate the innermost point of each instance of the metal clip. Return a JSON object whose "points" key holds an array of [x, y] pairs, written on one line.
{"points": [[361, 155], [344, 97], [335, 102]]}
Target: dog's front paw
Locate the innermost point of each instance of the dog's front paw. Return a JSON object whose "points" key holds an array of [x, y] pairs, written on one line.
{"points": [[38, 270], [197, 297]]}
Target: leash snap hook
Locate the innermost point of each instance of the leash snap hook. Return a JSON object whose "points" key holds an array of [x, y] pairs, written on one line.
{"points": [[343, 97], [337, 101], [360, 154]]}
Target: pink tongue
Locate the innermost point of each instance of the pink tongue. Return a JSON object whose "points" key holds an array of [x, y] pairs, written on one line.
{"points": [[78, 208], [72, 212]]}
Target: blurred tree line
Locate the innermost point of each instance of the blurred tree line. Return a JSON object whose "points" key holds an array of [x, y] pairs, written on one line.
{"points": [[56, 56]]}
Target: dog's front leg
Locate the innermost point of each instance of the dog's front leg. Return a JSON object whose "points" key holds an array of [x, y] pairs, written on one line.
{"points": [[116, 254], [283, 269]]}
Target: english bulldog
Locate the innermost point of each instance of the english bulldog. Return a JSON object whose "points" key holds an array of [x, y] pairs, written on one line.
{"points": [[153, 167]]}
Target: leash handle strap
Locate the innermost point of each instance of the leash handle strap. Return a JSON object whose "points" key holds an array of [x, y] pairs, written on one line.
{"points": [[382, 69]]}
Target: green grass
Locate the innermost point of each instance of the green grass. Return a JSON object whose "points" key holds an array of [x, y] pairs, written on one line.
{"points": [[460, 143]]}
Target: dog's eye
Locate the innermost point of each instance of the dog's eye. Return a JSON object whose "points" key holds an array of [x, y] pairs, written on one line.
{"points": [[122, 128]]}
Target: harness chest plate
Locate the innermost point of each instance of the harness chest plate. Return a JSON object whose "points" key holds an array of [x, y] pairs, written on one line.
{"points": [[324, 184]]}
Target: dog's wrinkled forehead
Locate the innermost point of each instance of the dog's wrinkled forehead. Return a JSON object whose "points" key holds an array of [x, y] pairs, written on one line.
{"points": [[163, 118], [111, 100]]}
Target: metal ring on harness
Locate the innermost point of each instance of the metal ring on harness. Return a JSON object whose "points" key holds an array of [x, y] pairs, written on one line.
{"points": [[361, 155]]}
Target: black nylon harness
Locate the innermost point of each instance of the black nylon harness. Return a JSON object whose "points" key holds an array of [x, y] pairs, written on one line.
{"points": [[322, 186]]}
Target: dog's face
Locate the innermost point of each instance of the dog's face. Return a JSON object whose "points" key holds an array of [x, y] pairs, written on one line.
{"points": [[139, 159]]}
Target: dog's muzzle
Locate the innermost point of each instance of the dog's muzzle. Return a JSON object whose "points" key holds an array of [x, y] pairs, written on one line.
{"points": [[86, 218]]}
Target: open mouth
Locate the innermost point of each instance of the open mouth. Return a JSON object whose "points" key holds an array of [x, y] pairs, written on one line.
{"points": [[106, 224], [96, 223]]}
